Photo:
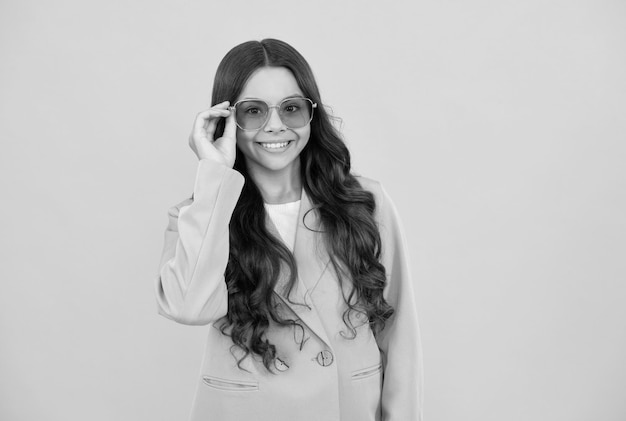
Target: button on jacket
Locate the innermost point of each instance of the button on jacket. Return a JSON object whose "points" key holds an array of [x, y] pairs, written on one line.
{"points": [[322, 371]]}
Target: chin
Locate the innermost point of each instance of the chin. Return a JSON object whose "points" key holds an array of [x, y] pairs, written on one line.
{"points": [[272, 164], [278, 165]]}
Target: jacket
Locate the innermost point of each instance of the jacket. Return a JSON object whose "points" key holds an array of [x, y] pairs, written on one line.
{"points": [[321, 371]]}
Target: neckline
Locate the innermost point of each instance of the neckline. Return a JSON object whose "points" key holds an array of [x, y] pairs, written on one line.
{"points": [[283, 204]]}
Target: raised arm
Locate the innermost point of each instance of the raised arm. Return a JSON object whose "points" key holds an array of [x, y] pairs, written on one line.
{"points": [[190, 285], [190, 288]]}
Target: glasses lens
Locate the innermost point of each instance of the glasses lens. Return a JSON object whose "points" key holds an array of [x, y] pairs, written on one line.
{"points": [[295, 112], [251, 115]]}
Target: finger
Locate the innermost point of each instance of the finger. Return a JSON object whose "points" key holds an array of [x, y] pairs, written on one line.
{"points": [[223, 105], [206, 116], [212, 112], [219, 106], [216, 110], [210, 129], [220, 110], [230, 129]]}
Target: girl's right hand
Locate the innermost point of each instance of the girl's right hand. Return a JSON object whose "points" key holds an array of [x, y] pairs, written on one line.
{"points": [[201, 140]]}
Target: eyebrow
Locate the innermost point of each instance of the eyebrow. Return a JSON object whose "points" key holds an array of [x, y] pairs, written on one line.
{"points": [[287, 97]]}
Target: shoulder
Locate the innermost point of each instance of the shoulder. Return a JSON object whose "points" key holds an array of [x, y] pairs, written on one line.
{"points": [[383, 202], [372, 186], [385, 213]]}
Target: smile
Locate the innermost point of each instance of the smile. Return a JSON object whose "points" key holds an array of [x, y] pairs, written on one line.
{"points": [[274, 145]]}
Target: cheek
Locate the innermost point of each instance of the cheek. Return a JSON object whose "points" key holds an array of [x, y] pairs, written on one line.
{"points": [[244, 138], [304, 134]]}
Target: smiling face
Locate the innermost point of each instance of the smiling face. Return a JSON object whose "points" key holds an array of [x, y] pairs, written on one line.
{"points": [[274, 148]]}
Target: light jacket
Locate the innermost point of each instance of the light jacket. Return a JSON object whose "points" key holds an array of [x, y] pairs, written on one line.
{"points": [[322, 372]]}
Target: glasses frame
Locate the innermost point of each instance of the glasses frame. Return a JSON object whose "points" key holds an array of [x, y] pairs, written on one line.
{"points": [[233, 108]]}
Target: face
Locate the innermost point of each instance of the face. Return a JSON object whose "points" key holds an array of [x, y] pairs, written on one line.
{"points": [[274, 147]]}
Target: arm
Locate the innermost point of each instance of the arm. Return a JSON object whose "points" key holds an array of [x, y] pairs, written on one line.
{"points": [[399, 341], [190, 288]]}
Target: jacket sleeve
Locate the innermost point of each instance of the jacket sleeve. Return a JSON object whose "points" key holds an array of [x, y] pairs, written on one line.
{"points": [[399, 341], [190, 287]]}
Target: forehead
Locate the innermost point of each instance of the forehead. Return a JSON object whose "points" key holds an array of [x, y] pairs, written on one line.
{"points": [[271, 84]]}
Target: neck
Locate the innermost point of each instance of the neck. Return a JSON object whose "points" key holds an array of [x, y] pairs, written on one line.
{"points": [[282, 186]]}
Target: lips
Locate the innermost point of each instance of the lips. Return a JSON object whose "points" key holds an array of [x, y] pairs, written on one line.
{"points": [[275, 145]]}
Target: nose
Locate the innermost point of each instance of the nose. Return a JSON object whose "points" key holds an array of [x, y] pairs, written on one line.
{"points": [[274, 123]]}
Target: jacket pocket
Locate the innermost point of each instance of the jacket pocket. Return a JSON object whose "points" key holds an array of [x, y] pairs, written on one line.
{"points": [[367, 372], [231, 385]]}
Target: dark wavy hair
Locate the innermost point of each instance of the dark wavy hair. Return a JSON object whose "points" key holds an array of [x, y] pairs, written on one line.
{"points": [[346, 212]]}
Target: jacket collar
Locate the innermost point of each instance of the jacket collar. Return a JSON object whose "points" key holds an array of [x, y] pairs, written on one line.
{"points": [[312, 260]]}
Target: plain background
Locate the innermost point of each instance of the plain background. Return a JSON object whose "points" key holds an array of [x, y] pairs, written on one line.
{"points": [[497, 127]]}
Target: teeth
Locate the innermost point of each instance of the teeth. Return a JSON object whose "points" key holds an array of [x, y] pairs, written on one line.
{"points": [[274, 145]]}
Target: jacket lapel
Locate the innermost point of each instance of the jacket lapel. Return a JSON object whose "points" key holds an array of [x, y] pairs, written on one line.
{"points": [[311, 260]]}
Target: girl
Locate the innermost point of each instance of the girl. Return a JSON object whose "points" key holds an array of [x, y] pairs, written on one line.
{"points": [[298, 266]]}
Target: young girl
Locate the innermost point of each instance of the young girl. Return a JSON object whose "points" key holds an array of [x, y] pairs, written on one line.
{"points": [[298, 266]]}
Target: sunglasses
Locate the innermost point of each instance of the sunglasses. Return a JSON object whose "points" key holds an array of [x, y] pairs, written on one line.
{"points": [[252, 114]]}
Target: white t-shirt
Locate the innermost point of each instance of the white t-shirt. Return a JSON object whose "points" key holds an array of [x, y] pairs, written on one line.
{"points": [[285, 218]]}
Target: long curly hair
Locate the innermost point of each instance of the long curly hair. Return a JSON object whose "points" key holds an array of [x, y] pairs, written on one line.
{"points": [[345, 209]]}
